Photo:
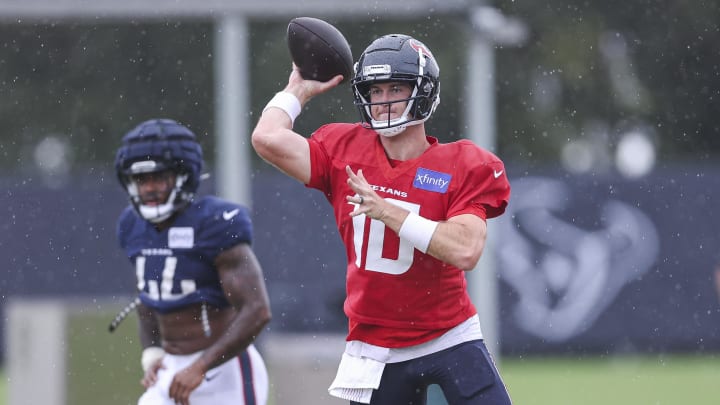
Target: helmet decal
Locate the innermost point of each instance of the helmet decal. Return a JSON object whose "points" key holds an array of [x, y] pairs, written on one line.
{"points": [[377, 70], [421, 48]]}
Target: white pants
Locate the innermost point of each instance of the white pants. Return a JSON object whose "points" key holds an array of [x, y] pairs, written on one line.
{"points": [[239, 381]]}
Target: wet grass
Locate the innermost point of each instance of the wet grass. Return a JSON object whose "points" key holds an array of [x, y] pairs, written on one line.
{"points": [[3, 388], [638, 380], [104, 369]]}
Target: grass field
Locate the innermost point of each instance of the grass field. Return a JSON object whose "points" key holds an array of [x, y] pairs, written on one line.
{"points": [[636, 380], [104, 368]]}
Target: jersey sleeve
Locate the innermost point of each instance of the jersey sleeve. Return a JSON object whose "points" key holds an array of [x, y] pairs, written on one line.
{"points": [[331, 146], [320, 161], [226, 225], [484, 189], [124, 226]]}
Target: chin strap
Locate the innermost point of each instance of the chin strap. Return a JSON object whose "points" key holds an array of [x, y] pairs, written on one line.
{"points": [[157, 213], [392, 131]]}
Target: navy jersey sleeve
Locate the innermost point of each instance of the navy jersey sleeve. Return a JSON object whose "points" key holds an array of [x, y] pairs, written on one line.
{"points": [[226, 225], [125, 225]]}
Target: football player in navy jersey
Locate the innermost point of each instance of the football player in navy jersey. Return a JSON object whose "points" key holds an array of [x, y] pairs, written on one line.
{"points": [[412, 214], [202, 295]]}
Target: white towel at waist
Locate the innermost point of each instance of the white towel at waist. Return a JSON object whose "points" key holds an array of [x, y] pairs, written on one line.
{"points": [[356, 378]]}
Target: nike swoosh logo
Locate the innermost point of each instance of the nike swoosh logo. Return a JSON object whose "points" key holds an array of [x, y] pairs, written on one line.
{"points": [[497, 173], [210, 377], [227, 215]]}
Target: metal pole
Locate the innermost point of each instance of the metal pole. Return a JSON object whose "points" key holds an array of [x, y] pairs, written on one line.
{"points": [[481, 127], [490, 28], [232, 108]]}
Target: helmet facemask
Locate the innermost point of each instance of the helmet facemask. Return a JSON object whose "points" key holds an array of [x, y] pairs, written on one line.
{"points": [[395, 126], [176, 200]]}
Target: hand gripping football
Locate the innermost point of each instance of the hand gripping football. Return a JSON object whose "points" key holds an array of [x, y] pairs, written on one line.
{"points": [[319, 49]]}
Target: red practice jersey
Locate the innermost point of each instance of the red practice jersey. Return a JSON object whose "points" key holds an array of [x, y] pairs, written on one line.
{"points": [[398, 296]]}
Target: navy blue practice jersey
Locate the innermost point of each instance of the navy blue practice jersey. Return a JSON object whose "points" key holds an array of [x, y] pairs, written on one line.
{"points": [[175, 267]]}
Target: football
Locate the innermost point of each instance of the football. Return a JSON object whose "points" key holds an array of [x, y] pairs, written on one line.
{"points": [[319, 49]]}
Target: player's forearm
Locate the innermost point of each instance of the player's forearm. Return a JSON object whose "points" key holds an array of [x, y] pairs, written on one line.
{"points": [[242, 331], [454, 244], [269, 141], [275, 142], [272, 128], [458, 242]]}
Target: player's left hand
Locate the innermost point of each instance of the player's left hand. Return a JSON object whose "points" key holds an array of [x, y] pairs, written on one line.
{"points": [[366, 200], [151, 374], [184, 382]]}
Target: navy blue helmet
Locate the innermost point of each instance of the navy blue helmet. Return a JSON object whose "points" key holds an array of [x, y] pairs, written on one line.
{"points": [[397, 58], [158, 145]]}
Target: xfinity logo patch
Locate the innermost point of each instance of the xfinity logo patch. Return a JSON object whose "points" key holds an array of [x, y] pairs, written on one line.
{"points": [[430, 180], [181, 238]]}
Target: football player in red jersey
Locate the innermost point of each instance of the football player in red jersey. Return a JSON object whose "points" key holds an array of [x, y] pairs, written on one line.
{"points": [[202, 297], [411, 212]]}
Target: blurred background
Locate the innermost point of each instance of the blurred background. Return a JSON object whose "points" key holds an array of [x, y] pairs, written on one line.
{"points": [[607, 115]]}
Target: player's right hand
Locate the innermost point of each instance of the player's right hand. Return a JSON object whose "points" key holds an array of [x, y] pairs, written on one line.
{"points": [[305, 89], [150, 377], [185, 382]]}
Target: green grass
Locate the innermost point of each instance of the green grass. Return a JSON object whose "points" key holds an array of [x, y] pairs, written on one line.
{"points": [[3, 388], [637, 380], [106, 367], [103, 367]]}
